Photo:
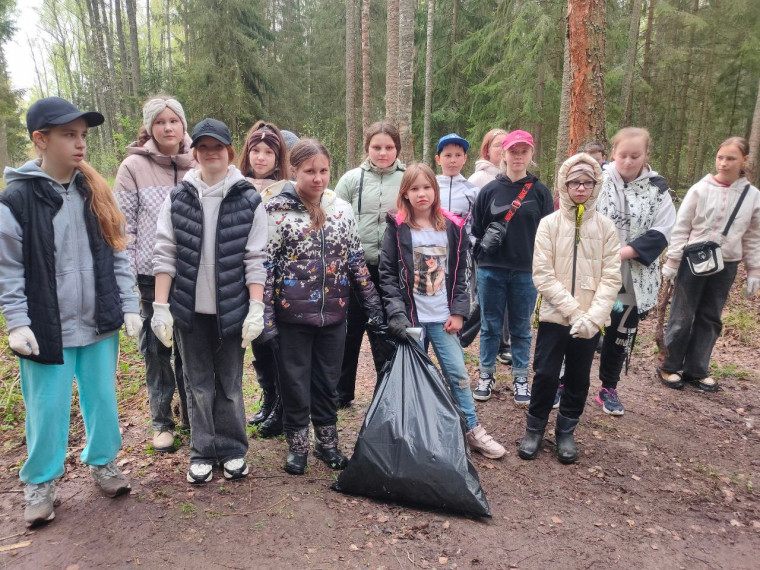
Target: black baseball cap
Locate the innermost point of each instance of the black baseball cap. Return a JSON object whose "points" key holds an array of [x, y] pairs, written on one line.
{"points": [[211, 128], [52, 111]]}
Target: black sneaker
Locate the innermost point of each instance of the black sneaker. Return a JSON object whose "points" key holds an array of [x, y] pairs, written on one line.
{"points": [[558, 396], [485, 383], [610, 402], [235, 469], [505, 356], [200, 473], [521, 391]]}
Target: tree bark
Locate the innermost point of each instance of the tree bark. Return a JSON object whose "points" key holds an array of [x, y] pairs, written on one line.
{"points": [[626, 99], [169, 43], [684, 100], [563, 128], [646, 65], [406, 78], [366, 71], [350, 84], [586, 34], [426, 134], [134, 61], [391, 63], [754, 141], [123, 64]]}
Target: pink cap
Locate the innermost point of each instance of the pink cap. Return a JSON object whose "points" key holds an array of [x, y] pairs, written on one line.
{"points": [[516, 137]]}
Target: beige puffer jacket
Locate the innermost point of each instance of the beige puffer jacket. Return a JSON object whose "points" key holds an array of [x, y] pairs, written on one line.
{"points": [[596, 258]]}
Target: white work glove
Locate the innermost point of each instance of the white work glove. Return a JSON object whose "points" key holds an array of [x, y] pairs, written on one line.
{"points": [[669, 274], [253, 325], [578, 314], [162, 323], [132, 324], [584, 328], [753, 286], [22, 341]]}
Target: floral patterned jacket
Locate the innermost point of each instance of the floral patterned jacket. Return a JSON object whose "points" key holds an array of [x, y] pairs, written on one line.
{"points": [[310, 273]]}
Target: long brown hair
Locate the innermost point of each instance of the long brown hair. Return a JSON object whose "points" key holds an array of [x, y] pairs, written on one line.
{"points": [[281, 161], [302, 151], [437, 219], [383, 128], [485, 148], [743, 146], [111, 220]]}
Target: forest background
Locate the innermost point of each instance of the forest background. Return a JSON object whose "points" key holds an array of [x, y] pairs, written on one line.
{"points": [[688, 70]]}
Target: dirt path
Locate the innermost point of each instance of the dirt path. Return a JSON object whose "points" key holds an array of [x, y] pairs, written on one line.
{"points": [[669, 485]]}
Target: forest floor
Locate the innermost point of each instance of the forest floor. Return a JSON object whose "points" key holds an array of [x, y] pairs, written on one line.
{"points": [[668, 485]]}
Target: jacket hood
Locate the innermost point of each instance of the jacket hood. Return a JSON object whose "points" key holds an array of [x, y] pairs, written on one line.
{"points": [[369, 167], [193, 177], [183, 159], [30, 169], [709, 180], [565, 203], [646, 174], [483, 165], [288, 199]]}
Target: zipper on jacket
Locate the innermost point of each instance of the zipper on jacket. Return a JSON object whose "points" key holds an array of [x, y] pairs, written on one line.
{"points": [[409, 291], [451, 184], [578, 220], [174, 164], [324, 277]]}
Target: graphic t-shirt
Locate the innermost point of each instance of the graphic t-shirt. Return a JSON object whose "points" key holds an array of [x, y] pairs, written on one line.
{"points": [[430, 264]]}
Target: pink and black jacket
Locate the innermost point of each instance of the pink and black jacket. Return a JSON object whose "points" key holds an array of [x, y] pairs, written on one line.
{"points": [[397, 267]]}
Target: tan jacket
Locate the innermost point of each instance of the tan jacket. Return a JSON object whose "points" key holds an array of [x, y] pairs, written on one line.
{"points": [[703, 215], [596, 258]]}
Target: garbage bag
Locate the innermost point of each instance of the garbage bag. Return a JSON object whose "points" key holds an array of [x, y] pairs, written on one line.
{"points": [[412, 446]]}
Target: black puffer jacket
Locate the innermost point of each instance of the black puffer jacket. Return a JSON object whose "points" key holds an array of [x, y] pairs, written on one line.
{"points": [[397, 268], [310, 273]]}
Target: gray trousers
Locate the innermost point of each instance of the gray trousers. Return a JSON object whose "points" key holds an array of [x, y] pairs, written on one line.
{"points": [[214, 377], [695, 319]]}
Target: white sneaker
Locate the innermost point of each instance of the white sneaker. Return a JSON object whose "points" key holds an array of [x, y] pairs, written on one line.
{"points": [[235, 468], [200, 473], [480, 441], [163, 441], [40, 500]]}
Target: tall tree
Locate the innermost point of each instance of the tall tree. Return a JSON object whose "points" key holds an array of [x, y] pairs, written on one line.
{"points": [[586, 35], [366, 71], [134, 62], [626, 99], [426, 134], [350, 83], [646, 64], [123, 65], [391, 62], [563, 129], [406, 77], [754, 141]]}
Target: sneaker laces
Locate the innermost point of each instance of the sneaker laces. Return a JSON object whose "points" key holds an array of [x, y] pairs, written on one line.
{"points": [[106, 471], [484, 383], [612, 395], [521, 388], [35, 493]]}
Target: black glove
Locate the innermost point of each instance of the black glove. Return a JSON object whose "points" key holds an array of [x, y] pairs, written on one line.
{"points": [[376, 321], [398, 324]]}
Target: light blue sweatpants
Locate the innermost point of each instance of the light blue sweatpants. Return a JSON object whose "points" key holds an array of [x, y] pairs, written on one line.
{"points": [[47, 396]]}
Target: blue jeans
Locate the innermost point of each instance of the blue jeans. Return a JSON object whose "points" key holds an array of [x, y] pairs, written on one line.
{"points": [[47, 397], [450, 357], [497, 287]]}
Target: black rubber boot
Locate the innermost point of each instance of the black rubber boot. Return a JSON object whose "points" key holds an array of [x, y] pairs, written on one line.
{"points": [[534, 436], [268, 402], [567, 452], [326, 447], [298, 451], [272, 426]]}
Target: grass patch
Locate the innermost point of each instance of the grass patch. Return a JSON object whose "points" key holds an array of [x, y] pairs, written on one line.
{"points": [[187, 508], [742, 323], [730, 370]]}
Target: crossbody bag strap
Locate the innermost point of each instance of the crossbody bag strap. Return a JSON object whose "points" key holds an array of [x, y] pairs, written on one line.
{"points": [[361, 187], [736, 210], [517, 202]]}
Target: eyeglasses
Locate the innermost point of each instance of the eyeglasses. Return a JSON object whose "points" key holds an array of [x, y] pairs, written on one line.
{"points": [[575, 185]]}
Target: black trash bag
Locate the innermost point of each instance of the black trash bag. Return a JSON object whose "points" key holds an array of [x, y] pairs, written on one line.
{"points": [[412, 446]]}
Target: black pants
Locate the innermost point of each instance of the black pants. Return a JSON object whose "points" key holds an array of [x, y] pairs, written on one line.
{"points": [[214, 377], [553, 344], [695, 319], [356, 325], [622, 328], [309, 363], [265, 365]]}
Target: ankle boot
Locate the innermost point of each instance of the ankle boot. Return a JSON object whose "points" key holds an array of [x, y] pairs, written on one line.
{"points": [[298, 451], [326, 447], [268, 402], [272, 426], [534, 436], [566, 449]]}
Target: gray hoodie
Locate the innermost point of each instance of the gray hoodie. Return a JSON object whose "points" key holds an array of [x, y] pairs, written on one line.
{"points": [[165, 251], [74, 274]]}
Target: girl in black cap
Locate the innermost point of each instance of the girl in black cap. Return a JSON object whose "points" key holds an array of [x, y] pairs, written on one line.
{"points": [[66, 288]]}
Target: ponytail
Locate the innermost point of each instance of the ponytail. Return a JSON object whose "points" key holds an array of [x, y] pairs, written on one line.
{"points": [[110, 219]]}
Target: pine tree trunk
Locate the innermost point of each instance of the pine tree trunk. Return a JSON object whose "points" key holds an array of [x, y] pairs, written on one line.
{"points": [[350, 84], [538, 130], [586, 32], [366, 71], [134, 60], [684, 101], [406, 78], [123, 65], [626, 99], [169, 43], [426, 158], [150, 42], [563, 128], [101, 71], [646, 65], [754, 142], [391, 63], [701, 134]]}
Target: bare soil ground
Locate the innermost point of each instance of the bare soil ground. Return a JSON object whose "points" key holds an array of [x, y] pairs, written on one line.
{"points": [[668, 485]]}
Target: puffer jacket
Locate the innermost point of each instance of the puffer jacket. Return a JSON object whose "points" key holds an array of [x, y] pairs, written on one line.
{"points": [[485, 172], [142, 183], [576, 267], [372, 193], [310, 273], [703, 215], [397, 267]]}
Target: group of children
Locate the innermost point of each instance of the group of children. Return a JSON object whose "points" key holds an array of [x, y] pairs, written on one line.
{"points": [[264, 254]]}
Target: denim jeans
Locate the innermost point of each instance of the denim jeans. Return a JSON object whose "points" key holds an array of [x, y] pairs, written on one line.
{"points": [[450, 357], [214, 377], [497, 286]]}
